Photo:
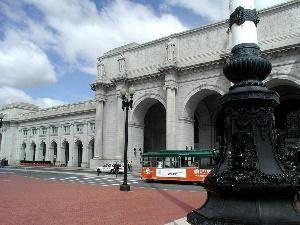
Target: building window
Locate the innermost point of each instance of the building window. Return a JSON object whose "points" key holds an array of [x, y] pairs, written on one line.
{"points": [[79, 127], [54, 130], [34, 131], [25, 132], [92, 126], [67, 129], [44, 131]]}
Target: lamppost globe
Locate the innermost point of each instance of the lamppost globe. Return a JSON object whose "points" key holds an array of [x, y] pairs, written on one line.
{"points": [[123, 92], [131, 91]]}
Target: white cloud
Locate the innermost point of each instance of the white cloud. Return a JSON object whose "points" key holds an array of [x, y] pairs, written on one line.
{"points": [[83, 33], [23, 64], [215, 10], [9, 95]]}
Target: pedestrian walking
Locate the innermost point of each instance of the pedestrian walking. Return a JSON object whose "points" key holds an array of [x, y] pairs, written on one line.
{"points": [[130, 166], [98, 171], [116, 169]]}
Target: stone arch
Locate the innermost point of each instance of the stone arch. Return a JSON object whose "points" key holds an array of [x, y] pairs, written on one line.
{"points": [[196, 95], [53, 151], [198, 117], [42, 150], [91, 149], [78, 152], [32, 151], [23, 151], [287, 113], [139, 130], [280, 78], [142, 104], [65, 152]]}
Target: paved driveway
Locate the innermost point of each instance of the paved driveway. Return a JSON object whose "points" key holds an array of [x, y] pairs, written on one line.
{"points": [[27, 200]]}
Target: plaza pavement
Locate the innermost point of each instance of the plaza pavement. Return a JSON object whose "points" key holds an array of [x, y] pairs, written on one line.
{"points": [[28, 201]]}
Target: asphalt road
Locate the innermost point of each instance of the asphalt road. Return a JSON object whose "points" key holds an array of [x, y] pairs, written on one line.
{"points": [[89, 177]]}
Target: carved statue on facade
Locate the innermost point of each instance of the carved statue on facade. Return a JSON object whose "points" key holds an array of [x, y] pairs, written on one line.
{"points": [[122, 64], [100, 69], [171, 51]]}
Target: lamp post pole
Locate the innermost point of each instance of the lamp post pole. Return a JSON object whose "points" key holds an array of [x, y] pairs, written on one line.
{"points": [[1, 119], [126, 104]]}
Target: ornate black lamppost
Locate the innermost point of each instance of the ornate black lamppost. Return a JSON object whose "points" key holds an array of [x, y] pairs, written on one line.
{"points": [[1, 119], [253, 181], [126, 104]]}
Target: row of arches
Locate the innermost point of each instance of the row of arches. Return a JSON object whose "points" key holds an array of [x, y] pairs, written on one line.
{"points": [[206, 118], [65, 155]]}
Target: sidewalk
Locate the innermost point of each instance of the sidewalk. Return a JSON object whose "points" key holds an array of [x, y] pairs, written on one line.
{"points": [[33, 202], [64, 169]]}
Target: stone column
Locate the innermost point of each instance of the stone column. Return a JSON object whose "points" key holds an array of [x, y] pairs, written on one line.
{"points": [[84, 163], [39, 153], [120, 134], [47, 155], [71, 146], [61, 154], [171, 87], [185, 133], [98, 149]]}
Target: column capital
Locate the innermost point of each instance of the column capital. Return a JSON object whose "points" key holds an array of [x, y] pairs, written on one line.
{"points": [[171, 85]]}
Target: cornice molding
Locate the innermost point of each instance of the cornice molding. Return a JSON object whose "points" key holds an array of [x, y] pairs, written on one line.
{"points": [[217, 25], [213, 64], [20, 105], [59, 111]]}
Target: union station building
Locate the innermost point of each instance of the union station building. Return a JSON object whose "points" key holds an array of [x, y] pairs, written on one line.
{"points": [[177, 80]]}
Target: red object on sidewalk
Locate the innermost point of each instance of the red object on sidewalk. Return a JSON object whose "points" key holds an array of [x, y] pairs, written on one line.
{"points": [[30, 201]]}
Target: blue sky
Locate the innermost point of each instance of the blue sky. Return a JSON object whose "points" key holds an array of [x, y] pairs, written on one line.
{"points": [[48, 48]]}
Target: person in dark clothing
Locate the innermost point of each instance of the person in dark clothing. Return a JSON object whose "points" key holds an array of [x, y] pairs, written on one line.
{"points": [[116, 169], [98, 171]]}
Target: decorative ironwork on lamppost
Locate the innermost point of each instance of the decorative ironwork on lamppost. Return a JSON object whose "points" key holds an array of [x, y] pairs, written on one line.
{"points": [[253, 181], [126, 104]]}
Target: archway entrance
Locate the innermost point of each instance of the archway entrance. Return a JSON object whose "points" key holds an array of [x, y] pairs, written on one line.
{"points": [[91, 151], [23, 152], [65, 153], [33, 151], [147, 128], [78, 153], [53, 152], [155, 128], [287, 114], [204, 109], [43, 150]]}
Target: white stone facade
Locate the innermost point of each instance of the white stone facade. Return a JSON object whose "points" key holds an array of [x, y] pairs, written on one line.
{"points": [[178, 80]]}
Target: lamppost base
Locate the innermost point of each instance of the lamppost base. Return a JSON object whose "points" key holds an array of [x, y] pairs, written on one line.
{"points": [[246, 209], [124, 187]]}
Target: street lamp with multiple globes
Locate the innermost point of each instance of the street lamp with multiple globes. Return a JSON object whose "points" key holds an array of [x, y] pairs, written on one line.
{"points": [[127, 100]]}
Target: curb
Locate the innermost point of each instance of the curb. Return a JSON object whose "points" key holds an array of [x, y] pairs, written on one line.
{"points": [[181, 221]]}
